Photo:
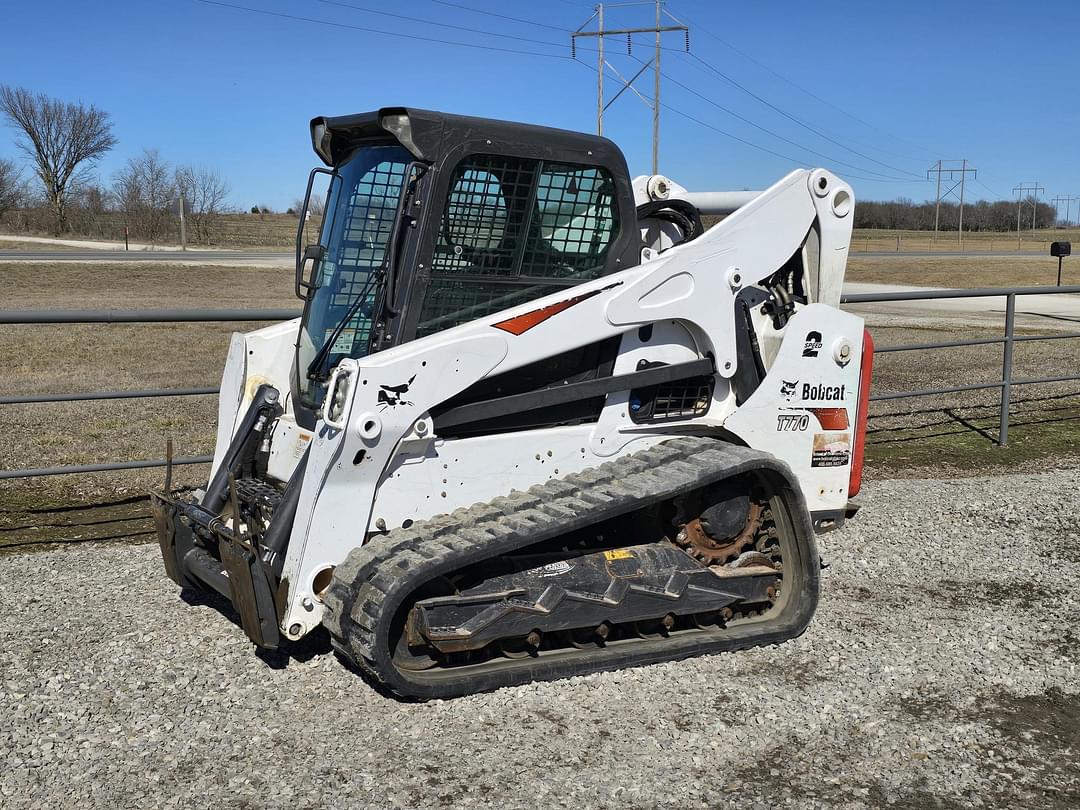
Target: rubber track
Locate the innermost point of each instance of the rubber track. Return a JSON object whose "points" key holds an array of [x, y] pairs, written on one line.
{"points": [[374, 580]]}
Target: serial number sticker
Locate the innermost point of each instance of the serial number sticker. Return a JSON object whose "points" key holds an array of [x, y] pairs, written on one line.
{"points": [[302, 440], [618, 554]]}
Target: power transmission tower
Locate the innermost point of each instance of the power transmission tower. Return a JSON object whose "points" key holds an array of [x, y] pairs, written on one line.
{"points": [[1057, 201], [603, 64], [950, 174], [1068, 200], [1035, 188]]}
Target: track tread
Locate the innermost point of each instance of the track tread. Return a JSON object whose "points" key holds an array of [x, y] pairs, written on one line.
{"points": [[374, 578]]}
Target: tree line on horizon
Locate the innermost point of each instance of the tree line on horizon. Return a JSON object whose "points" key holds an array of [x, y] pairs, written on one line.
{"points": [[62, 142], [982, 215]]}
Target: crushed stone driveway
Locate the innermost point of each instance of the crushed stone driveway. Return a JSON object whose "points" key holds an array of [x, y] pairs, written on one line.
{"points": [[940, 672]]}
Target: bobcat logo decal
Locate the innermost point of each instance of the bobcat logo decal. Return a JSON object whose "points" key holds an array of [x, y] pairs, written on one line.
{"points": [[787, 389], [391, 396]]}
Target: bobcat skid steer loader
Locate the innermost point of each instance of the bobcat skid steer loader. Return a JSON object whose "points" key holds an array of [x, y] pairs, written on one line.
{"points": [[535, 421]]}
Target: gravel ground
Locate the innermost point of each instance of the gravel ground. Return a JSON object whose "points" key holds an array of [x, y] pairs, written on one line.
{"points": [[941, 671]]}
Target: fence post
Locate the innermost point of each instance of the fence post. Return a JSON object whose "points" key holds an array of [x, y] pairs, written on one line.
{"points": [[1006, 369]]}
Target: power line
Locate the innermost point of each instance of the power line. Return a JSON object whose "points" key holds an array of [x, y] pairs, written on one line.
{"points": [[981, 183], [347, 26], [760, 148], [775, 134], [412, 19], [798, 121], [813, 95], [751, 144], [502, 16]]}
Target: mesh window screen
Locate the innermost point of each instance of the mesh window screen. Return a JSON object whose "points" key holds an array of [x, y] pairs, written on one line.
{"points": [[516, 218], [485, 216], [573, 223]]}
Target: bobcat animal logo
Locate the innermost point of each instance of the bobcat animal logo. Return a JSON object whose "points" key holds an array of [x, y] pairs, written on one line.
{"points": [[390, 396], [787, 389]]}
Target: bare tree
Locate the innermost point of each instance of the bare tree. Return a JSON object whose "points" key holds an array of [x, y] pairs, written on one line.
{"points": [[145, 189], [63, 139], [88, 212], [11, 185], [205, 192], [315, 205]]}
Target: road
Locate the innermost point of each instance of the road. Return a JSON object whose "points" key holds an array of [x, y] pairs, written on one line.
{"points": [[1048, 311], [201, 257]]}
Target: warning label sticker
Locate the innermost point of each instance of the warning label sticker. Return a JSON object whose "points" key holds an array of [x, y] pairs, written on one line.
{"points": [[302, 440], [831, 449], [618, 554], [344, 342]]}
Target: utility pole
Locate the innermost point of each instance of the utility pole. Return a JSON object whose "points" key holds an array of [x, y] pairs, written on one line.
{"points": [[1057, 201], [1032, 187], [951, 173], [603, 64], [183, 229], [1068, 204], [600, 73], [937, 198], [656, 97]]}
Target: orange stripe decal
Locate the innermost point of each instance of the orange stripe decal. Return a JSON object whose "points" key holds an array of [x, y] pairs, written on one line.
{"points": [[521, 324]]}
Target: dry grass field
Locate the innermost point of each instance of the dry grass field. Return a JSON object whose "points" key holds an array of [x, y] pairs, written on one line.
{"points": [[1036, 242], [962, 271], [277, 232], [951, 433]]}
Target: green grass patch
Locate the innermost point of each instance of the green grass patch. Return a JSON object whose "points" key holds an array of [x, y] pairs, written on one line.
{"points": [[964, 442]]}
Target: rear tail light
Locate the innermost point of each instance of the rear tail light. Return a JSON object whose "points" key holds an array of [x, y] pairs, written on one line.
{"points": [[865, 373]]}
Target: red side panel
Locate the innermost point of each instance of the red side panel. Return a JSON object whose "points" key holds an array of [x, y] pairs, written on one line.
{"points": [[865, 373]]}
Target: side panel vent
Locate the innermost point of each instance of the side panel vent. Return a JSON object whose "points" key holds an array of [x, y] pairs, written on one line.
{"points": [[678, 399]]}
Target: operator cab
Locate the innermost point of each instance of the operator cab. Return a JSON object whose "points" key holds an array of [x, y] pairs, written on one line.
{"points": [[433, 220]]}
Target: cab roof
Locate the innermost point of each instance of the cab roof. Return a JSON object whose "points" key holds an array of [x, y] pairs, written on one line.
{"points": [[430, 136]]}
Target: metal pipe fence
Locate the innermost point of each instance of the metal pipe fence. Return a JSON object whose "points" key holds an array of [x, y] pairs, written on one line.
{"points": [[1006, 382], [30, 317], [83, 316]]}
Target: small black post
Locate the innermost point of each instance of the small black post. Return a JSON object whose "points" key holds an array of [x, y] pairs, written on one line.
{"points": [[125, 238], [1060, 249]]}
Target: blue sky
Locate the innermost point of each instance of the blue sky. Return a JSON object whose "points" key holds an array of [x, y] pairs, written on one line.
{"points": [[911, 82]]}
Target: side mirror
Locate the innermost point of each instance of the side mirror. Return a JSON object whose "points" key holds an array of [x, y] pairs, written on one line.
{"points": [[304, 286], [313, 252]]}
